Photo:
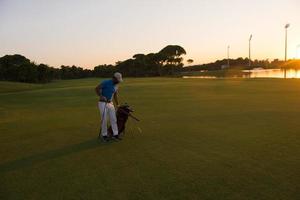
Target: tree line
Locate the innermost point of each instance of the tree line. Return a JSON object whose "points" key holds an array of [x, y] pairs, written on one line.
{"points": [[166, 62], [21, 69], [240, 63]]}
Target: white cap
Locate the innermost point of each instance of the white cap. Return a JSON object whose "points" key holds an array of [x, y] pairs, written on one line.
{"points": [[118, 76]]}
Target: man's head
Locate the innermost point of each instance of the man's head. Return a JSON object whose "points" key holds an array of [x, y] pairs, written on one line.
{"points": [[117, 78]]}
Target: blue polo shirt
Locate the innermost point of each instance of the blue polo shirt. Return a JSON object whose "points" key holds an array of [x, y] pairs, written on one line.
{"points": [[108, 89]]}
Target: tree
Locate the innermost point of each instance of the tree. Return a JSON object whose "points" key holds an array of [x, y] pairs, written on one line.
{"points": [[171, 54], [190, 61], [171, 57], [292, 64], [104, 71]]}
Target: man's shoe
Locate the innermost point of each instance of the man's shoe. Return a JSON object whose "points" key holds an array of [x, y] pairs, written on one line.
{"points": [[116, 137], [105, 139]]}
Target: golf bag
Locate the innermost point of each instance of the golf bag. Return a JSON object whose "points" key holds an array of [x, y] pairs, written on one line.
{"points": [[123, 112]]}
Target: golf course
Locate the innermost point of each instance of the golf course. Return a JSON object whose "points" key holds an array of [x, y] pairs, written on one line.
{"points": [[196, 139]]}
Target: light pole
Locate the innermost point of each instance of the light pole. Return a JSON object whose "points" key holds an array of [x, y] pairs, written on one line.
{"points": [[250, 38], [228, 48], [286, 39]]}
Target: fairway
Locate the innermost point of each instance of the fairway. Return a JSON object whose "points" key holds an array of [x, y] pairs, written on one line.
{"points": [[201, 139]]}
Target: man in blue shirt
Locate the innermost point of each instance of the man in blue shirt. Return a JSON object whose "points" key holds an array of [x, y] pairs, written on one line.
{"points": [[107, 92]]}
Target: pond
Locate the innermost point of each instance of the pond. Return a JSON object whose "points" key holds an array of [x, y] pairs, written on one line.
{"points": [[258, 73], [272, 73]]}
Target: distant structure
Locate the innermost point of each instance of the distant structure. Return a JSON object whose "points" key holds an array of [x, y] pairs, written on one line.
{"points": [[285, 48], [250, 38], [224, 66], [228, 48], [286, 40]]}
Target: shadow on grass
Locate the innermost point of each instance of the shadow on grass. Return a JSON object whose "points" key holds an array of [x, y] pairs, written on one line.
{"points": [[30, 160]]}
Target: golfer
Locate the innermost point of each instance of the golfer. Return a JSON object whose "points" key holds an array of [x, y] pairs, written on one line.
{"points": [[107, 92]]}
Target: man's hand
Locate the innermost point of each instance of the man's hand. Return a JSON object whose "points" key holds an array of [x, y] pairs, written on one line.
{"points": [[103, 98]]}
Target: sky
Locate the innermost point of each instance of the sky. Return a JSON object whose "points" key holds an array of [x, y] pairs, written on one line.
{"points": [[87, 33]]}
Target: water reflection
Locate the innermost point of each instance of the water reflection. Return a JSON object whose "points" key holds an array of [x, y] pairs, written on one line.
{"points": [[272, 73], [258, 73], [204, 77]]}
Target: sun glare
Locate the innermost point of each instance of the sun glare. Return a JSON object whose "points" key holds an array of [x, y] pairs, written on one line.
{"points": [[298, 52]]}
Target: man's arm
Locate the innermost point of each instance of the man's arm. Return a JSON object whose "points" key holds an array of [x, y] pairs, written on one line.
{"points": [[98, 91], [116, 98]]}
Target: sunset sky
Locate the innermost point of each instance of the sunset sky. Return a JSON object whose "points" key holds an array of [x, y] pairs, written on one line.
{"points": [[87, 33]]}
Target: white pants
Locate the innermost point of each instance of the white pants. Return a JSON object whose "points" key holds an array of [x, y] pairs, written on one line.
{"points": [[108, 110]]}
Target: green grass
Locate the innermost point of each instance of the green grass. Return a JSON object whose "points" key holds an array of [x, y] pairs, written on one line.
{"points": [[201, 139]]}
